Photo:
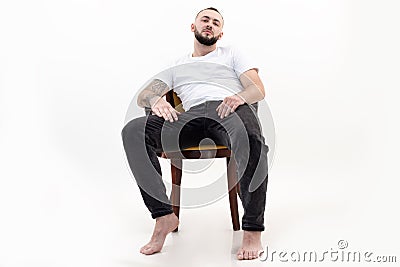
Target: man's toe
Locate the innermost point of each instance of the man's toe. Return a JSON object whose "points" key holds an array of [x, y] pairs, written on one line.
{"points": [[246, 255], [254, 255], [149, 251], [240, 254]]}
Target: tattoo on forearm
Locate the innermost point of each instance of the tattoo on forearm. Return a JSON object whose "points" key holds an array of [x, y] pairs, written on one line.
{"points": [[156, 88]]}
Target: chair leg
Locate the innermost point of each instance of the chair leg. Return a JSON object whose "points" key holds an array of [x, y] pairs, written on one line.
{"points": [[233, 191], [176, 173]]}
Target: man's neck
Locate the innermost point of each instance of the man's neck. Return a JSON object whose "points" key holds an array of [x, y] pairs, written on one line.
{"points": [[202, 50]]}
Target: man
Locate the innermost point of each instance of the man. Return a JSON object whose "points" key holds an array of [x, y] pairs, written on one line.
{"points": [[219, 108]]}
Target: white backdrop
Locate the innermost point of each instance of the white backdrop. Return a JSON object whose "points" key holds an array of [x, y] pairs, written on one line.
{"points": [[69, 69]]}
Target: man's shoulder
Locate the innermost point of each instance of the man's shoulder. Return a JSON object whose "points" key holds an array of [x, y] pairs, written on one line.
{"points": [[228, 49], [183, 58]]}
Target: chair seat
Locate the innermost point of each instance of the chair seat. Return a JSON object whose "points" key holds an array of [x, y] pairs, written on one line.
{"points": [[198, 152], [205, 147]]}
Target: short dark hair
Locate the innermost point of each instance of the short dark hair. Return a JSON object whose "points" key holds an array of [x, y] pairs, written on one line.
{"points": [[210, 8]]}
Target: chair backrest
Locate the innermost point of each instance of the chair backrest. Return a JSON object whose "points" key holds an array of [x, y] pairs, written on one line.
{"points": [[174, 100]]}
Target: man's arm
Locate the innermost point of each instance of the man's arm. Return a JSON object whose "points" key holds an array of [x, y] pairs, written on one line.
{"points": [[154, 91], [253, 87], [152, 97], [253, 92]]}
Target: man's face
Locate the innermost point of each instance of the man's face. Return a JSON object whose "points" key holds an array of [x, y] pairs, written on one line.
{"points": [[207, 27]]}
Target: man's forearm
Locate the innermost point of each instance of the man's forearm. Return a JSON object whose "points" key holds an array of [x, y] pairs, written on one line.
{"points": [[253, 87], [147, 99], [154, 91], [252, 94]]}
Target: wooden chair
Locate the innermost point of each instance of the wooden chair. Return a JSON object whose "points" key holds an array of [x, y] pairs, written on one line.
{"points": [[203, 152]]}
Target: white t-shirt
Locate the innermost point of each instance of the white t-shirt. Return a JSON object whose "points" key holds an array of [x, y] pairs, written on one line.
{"points": [[210, 77]]}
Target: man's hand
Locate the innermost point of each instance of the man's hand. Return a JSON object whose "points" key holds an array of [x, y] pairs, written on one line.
{"points": [[229, 105], [164, 109]]}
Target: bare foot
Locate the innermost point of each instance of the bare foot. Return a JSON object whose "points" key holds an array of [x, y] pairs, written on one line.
{"points": [[164, 225], [251, 245]]}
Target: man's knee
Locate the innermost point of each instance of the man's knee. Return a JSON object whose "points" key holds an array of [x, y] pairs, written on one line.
{"points": [[248, 116], [133, 128], [251, 122]]}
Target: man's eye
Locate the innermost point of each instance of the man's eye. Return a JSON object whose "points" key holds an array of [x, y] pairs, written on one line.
{"points": [[216, 24]]}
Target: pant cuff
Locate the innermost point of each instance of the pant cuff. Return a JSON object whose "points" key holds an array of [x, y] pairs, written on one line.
{"points": [[253, 228], [157, 214]]}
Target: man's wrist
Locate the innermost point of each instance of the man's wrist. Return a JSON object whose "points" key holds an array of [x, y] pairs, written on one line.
{"points": [[242, 95]]}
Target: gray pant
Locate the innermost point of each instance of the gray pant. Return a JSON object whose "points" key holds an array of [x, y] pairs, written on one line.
{"points": [[143, 137]]}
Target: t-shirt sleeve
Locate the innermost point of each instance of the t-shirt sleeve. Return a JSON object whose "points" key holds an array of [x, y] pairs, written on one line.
{"points": [[242, 62], [166, 76]]}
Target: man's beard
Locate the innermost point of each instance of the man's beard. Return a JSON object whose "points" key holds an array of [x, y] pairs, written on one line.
{"points": [[204, 40]]}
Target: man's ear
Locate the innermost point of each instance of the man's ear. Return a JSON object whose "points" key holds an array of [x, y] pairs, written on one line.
{"points": [[192, 27], [220, 35]]}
